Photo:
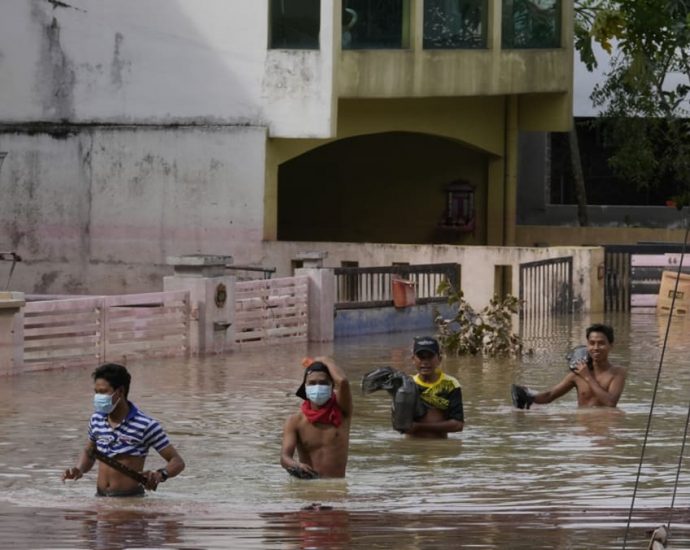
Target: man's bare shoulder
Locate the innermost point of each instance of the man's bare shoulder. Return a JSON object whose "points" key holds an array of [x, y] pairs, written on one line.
{"points": [[617, 371], [293, 421]]}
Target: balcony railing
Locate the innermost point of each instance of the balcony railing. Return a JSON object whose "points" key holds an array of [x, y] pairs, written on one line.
{"points": [[364, 287]]}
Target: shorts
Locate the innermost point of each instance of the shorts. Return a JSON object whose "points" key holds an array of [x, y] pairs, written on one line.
{"points": [[138, 492]]}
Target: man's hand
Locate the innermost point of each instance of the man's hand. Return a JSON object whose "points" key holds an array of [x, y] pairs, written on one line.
{"points": [[72, 473], [152, 479], [302, 471], [583, 370]]}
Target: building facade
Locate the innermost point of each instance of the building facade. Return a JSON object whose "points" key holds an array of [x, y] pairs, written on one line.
{"points": [[133, 131]]}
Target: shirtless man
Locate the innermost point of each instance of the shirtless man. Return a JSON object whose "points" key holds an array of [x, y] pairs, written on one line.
{"points": [[598, 385], [121, 431], [320, 432], [440, 393]]}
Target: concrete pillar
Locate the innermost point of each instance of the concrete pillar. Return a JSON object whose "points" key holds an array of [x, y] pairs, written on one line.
{"points": [[11, 332], [212, 300], [321, 295]]}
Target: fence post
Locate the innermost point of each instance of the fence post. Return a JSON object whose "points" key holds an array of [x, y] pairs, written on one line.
{"points": [[321, 295], [11, 332], [211, 300]]}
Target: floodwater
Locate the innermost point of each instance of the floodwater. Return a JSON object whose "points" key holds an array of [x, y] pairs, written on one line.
{"points": [[550, 477]]}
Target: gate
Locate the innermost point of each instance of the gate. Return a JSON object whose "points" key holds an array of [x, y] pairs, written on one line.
{"points": [[626, 285], [546, 287]]}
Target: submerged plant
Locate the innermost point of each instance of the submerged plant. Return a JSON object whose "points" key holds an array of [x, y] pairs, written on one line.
{"points": [[488, 332]]}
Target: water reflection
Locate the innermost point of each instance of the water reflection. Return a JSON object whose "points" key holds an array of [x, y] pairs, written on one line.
{"points": [[551, 477]]}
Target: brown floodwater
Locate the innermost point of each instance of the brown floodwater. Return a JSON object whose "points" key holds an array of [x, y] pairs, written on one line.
{"points": [[552, 477]]}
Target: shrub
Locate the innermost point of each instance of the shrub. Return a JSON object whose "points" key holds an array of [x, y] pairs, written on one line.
{"points": [[488, 332]]}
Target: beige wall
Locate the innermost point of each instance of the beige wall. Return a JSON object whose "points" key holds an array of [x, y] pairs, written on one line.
{"points": [[478, 264]]}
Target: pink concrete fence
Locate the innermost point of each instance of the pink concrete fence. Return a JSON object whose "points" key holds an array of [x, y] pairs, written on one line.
{"points": [[88, 331], [271, 311]]}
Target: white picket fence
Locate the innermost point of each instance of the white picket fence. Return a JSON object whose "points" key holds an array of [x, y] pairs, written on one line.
{"points": [[271, 311], [92, 330]]}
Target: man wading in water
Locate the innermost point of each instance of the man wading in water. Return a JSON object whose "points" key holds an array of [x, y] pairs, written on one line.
{"points": [[320, 432], [598, 382], [440, 393], [123, 433]]}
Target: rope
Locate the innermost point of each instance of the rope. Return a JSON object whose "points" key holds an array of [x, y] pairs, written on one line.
{"points": [[651, 408]]}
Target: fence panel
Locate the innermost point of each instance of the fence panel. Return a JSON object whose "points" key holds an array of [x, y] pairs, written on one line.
{"points": [[271, 311], [88, 331], [364, 287], [63, 333], [633, 273], [546, 288], [147, 325]]}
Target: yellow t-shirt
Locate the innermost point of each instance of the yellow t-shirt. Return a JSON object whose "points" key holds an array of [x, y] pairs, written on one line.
{"points": [[444, 394]]}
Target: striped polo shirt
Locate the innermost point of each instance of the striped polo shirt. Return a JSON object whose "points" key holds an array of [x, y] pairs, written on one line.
{"points": [[133, 436]]}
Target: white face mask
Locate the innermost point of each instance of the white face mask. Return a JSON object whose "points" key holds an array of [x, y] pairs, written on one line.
{"points": [[319, 393], [103, 403]]}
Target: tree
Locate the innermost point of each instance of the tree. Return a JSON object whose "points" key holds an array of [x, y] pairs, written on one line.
{"points": [[644, 96]]}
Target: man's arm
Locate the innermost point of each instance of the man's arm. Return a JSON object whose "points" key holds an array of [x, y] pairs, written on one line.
{"points": [[84, 465], [289, 445], [610, 397], [559, 390], [341, 384], [454, 423], [174, 466]]}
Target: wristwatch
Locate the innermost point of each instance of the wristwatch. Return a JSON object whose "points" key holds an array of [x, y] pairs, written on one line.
{"points": [[164, 474]]}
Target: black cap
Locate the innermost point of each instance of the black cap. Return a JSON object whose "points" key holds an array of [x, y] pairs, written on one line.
{"points": [[426, 343], [316, 366]]}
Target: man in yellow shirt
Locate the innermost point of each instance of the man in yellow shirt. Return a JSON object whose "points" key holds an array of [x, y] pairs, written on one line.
{"points": [[440, 393]]}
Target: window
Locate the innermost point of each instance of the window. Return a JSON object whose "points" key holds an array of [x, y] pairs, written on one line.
{"points": [[376, 24], [295, 24], [459, 212], [531, 23], [453, 24]]}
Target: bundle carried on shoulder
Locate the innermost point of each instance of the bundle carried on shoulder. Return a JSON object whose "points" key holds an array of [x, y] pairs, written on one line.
{"points": [[406, 406]]}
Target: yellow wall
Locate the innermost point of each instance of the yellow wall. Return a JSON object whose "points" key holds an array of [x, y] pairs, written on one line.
{"points": [[542, 235], [379, 188]]}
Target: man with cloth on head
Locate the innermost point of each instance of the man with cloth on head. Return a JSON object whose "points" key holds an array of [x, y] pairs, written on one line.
{"points": [[320, 431], [439, 392], [123, 433]]}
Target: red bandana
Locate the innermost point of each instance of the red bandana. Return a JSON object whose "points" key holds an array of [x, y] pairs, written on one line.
{"points": [[328, 413]]}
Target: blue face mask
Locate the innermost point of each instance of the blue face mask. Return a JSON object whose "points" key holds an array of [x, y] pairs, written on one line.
{"points": [[319, 393], [103, 403]]}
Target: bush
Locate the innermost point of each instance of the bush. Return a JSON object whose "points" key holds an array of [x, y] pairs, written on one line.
{"points": [[488, 332]]}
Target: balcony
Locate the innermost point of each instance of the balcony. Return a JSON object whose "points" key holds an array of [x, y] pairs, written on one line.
{"points": [[436, 48]]}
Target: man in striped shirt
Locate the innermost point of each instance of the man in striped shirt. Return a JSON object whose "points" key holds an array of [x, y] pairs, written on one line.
{"points": [[120, 432]]}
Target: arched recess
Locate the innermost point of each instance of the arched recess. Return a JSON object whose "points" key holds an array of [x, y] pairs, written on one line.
{"points": [[385, 187]]}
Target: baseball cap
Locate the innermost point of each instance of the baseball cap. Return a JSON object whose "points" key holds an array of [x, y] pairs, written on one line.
{"points": [[426, 343]]}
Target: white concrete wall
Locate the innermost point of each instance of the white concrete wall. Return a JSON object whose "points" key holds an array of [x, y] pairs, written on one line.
{"points": [[101, 209], [160, 62]]}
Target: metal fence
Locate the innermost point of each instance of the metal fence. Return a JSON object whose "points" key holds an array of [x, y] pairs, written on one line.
{"points": [[546, 287], [362, 287], [626, 285]]}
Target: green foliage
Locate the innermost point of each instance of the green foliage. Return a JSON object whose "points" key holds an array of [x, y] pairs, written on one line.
{"points": [[488, 332], [646, 86]]}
